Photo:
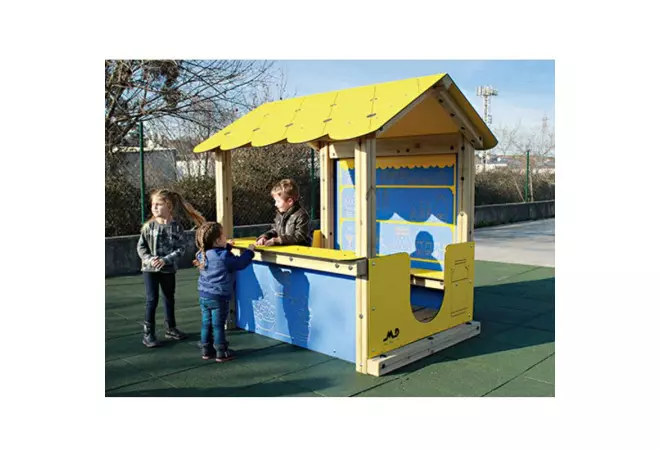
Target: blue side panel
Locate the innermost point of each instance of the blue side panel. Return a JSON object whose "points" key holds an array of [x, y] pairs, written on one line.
{"points": [[311, 309], [428, 298]]}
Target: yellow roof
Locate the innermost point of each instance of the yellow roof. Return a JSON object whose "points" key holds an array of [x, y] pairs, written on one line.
{"points": [[351, 113]]}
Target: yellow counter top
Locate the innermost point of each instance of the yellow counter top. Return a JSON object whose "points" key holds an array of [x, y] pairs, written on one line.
{"points": [[299, 250]]}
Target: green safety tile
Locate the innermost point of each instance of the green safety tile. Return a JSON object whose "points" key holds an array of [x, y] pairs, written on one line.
{"points": [[125, 347], [170, 357], [119, 373], [524, 387], [525, 337], [336, 378], [240, 341], [507, 358], [215, 379], [447, 378], [487, 272], [513, 301], [543, 322], [150, 388], [282, 359], [278, 388], [544, 371], [492, 313]]}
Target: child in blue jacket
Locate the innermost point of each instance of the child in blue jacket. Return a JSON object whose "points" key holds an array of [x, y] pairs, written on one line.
{"points": [[217, 266]]}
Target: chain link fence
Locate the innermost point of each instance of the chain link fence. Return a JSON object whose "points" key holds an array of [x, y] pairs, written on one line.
{"points": [[254, 171]]}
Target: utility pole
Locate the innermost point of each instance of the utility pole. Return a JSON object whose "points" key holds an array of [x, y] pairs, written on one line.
{"points": [[486, 92]]}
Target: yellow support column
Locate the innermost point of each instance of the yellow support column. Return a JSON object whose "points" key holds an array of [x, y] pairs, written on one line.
{"points": [[365, 231], [327, 197], [224, 212]]}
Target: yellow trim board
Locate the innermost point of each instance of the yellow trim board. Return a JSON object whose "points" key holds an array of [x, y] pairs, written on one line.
{"points": [[406, 161]]}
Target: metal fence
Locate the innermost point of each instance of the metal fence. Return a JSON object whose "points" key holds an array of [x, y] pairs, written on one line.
{"points": [[254, 171]]}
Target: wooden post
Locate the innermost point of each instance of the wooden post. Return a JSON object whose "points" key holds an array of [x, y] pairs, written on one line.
{"points": [[224, 212], [365, 238], [463, 194], [327, 197], [470, 156], [365, 198], [465, 188], [223, 200]]}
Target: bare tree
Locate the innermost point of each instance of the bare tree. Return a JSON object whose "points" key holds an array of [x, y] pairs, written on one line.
{"points": [[141, 90], [516, 141]]}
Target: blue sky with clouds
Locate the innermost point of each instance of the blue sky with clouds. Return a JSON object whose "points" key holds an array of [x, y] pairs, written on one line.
{"points": [[526, 88]]}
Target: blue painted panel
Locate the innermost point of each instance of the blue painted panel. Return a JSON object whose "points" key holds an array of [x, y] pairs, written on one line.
{"points": [[405, 176], [419, 241], [428, 298], [405, 204], [415, 204], [311, 309], [415, 176], [347, 210], [347, 231], [430, 207]]}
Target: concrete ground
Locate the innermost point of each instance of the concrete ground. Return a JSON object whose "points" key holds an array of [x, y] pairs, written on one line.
{"points": [[530, 243]]}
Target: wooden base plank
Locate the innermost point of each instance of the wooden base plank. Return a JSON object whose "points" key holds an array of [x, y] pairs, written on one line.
{"points": [[382, 364]]}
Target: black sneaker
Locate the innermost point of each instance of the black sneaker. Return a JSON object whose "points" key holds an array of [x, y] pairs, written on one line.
{"points": [[224, 355], [207, 351], [173, 333], [149, 338]]}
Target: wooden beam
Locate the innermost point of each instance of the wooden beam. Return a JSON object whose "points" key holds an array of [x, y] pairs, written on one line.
{"points": [[469, 182], [224, 211], [382, 364], [223, 198], [463, 192], [327, 176], [459, 118], [341, 149], [365, 238], [365, 198], [427, 282]]}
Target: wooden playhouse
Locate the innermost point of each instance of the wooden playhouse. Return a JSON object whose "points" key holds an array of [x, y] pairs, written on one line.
{"points": [[389, 278]]}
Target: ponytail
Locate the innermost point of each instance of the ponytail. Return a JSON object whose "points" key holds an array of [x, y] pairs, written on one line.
{"points": [[178, 203], [189, 209]]}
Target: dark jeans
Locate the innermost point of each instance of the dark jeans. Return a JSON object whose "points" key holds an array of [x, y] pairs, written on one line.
{"points": [[214, 317], [167, 283]]}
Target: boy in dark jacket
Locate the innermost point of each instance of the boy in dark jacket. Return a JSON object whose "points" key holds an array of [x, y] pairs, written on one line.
{"points": [[217, 266], [291, 225]]}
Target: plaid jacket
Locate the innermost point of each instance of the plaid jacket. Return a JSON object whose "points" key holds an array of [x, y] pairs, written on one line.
{"points": [[162, 240]]}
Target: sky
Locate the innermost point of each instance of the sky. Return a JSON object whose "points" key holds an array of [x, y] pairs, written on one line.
{"points": [[526, 88]]}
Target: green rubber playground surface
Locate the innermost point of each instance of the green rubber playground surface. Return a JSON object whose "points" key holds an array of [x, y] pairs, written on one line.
{"points": [[512, 357]]}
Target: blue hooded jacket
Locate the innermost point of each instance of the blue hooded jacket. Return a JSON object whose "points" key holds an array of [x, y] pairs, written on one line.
{"points": [[216, 279]]}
